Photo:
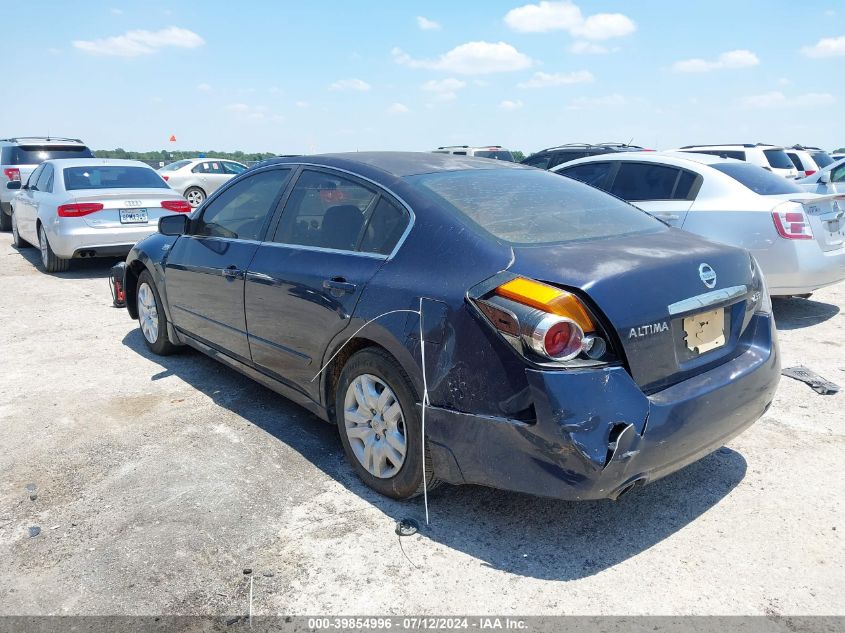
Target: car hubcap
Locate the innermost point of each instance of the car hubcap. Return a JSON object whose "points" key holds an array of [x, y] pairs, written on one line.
{"points": [[148, 313], [375, 426], [42, 244], [15, 235], [195, 198]]}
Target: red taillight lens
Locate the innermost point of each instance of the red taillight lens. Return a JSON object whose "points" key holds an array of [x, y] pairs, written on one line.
{"points": [[12, 173], [180, 206], [810, 172], [792, 225], [563, 340], [78, 209], [166, 178]]}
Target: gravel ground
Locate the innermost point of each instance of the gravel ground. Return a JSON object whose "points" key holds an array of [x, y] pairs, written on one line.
{"points": [[156, 481]]}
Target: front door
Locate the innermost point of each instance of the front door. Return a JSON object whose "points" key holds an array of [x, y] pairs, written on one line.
{"points": [[303, 286], [205, 270]]}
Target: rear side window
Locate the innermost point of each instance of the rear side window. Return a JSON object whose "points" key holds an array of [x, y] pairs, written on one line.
{"points": [[541, 162], [35, 154], [757, 179], [778, 159], [112, 177], [795, 160], [822, 159], [241, 210], [384, 228], [594, 174], [532, 207], [179, 164], [644, 181]]}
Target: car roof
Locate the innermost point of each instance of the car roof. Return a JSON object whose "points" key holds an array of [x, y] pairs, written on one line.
{"points": [[96, 162], [732, 145], [398, 164]]}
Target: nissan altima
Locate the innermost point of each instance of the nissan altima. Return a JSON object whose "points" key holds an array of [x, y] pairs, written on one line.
{"points": [[466, 320]]}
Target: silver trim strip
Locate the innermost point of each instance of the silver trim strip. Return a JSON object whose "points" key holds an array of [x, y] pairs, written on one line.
{"points": [[320, 249], [707, 299]]}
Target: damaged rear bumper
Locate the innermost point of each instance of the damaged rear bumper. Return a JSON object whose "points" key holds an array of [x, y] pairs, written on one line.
{"points": [[597, 434]]}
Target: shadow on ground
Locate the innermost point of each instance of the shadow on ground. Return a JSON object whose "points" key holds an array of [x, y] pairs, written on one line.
{"points": [[794, 313], [520, 534], [97, 267]]}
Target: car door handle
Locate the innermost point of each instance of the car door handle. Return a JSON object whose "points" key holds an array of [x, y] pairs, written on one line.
{"points": [[338, 284], [233, 272]]}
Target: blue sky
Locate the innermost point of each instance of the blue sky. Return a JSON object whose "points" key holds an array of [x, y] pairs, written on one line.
{"points": [[320, 76]]}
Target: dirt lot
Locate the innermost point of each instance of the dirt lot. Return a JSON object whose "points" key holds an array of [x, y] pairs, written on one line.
{"points": [[155, 482]]}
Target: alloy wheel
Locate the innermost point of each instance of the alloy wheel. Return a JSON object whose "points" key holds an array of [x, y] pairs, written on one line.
{"points": [[148, 313]]}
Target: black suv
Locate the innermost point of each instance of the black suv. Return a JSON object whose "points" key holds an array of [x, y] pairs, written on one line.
{"points": [[554, 156]]}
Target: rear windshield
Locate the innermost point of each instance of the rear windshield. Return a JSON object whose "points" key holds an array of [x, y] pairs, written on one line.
{"points": [[35, 154], [529, 206], [778, 159], [179, 164], [758, 179], [498, 155], [822, 159], [112, 177]]}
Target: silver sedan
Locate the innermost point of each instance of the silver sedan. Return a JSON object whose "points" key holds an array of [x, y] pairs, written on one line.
{"points": [[88, 207], [198, 178], [797, 237]]}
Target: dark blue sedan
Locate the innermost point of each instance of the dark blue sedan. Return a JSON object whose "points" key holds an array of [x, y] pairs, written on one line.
{"points": [[573, 346]]}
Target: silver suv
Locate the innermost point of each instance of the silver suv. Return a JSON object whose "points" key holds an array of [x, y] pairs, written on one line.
{"points": [[487, 151], [20, 156], [770, 157]]}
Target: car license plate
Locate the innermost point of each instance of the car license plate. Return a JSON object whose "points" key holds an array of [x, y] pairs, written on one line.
{"points": [[705, 331], [133, 216]]}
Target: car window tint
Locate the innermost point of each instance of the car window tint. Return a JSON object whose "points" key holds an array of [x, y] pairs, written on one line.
{"points": [[778, 159], [644, 181], [838, 174], [795, 160], [684, 188], [179, 164], [34, 154], [541, 162], [459, 153], [239, 212], [233, 168], [32, 181], [45, 180], [112, 177], [200, 168], [495, 154], [593, 174], [757, 179], [386, 225], [216, 167], [529, 206], [721, 153], [325, 211], [565, 157], [822, 159]]}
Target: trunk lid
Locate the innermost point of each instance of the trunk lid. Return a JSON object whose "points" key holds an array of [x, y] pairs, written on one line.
{"points": [[131, 201], [647, 287], [825, 213]]}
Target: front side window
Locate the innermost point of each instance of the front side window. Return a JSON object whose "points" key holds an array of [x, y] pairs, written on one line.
{"points": [[32, 181], [240, 211], [532, 207], [112, 177], [593, 174], [326, 211], [778, 159], [757, 179], [540, 162], [45, 180], [838, 174], [644, 181]]}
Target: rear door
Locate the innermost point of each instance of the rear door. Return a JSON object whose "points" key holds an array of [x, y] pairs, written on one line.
{"points": [[26, 206], [302, 288], [664, 191], [205, 270]]}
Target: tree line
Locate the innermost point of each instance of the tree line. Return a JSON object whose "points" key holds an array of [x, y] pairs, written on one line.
{"points": [[168, 156]]}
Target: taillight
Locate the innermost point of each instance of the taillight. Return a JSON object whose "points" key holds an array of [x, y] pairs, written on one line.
{"points": [[792, 225], [810, 172], [78, 209], [166, 178], [12, 173], [542, 320], [180, 206]]}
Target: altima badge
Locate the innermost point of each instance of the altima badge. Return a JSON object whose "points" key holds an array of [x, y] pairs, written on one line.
{"points": [[708, 275]]}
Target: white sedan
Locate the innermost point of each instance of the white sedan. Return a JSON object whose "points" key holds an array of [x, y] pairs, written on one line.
{"points": [[797, 237], [830, 179], [89, 207], [198, 178]]}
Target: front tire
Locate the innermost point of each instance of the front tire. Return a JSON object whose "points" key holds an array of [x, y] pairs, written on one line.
{"points": [[379, 425], [151, 317], [17, 241], [52, 263], [195, 196]]}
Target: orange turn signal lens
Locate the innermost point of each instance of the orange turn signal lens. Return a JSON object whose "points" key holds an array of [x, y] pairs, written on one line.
{"points": [[548, 299]]}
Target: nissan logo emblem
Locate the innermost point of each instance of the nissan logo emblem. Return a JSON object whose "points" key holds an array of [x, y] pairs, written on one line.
{"points": [[708, 275]]}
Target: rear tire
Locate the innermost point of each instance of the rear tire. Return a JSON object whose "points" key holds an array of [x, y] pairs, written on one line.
{"points": [[17, 241], [52, 263], [379, 439], [151, 317], [5, 221], [195, 196]]}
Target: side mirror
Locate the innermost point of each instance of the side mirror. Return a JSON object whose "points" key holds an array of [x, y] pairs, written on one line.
{"points": [[13, 184], [173, 224], [824, 178]]}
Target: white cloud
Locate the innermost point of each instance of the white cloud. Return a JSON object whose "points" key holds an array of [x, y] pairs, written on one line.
{"points": [[581, 47], [350, 84], [398, 108], [204, 87], [427, 25], [566, 16], [545, 80], [730, 60], [511, 105], [444, 89], [776, 99], [472, 58], [609, 101], [134, 43], [826, 47]]}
